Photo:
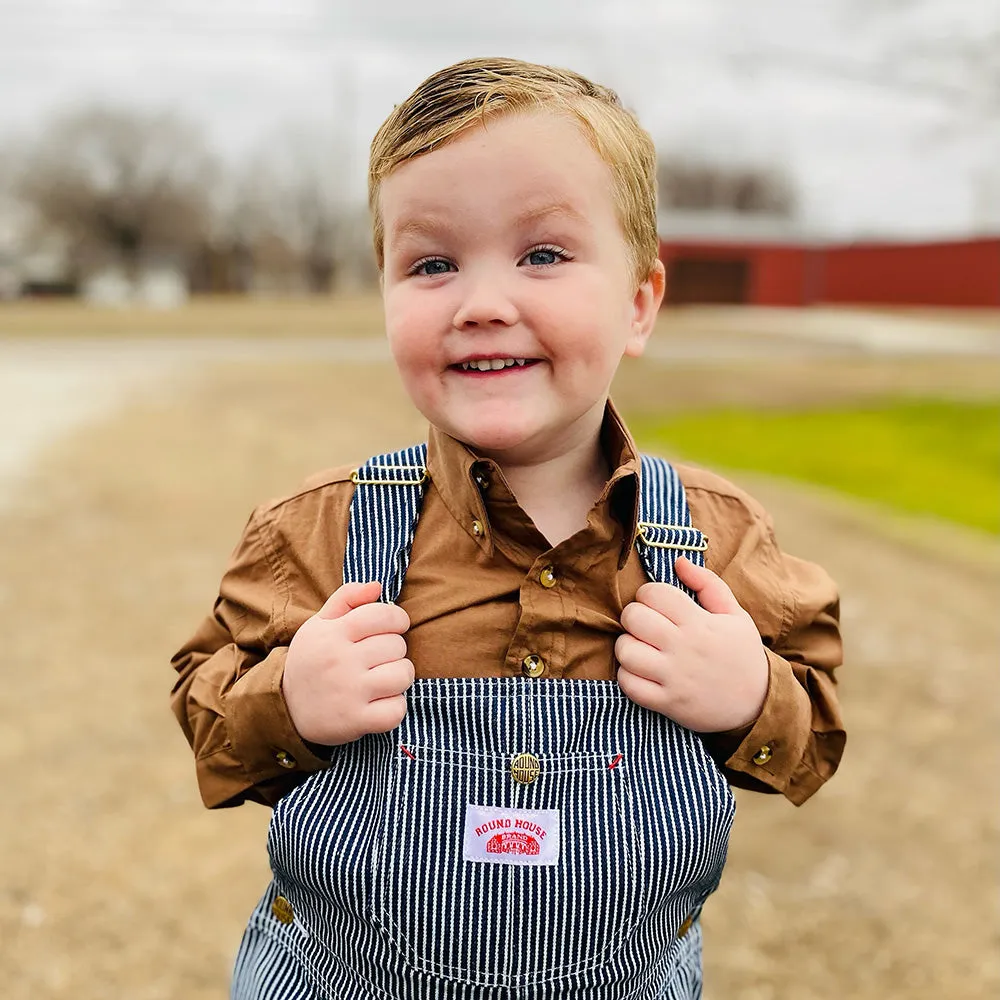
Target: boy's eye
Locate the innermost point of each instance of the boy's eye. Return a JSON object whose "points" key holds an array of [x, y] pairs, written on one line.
{"points": [[431, 266], [544, 256]]}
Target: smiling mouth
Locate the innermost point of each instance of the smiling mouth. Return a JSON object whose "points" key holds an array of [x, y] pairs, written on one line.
{"points": [[493, 364]]}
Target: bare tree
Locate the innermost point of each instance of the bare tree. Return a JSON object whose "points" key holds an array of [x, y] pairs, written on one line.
{"points": [[120, 186], [699, 185], [289, 210]]}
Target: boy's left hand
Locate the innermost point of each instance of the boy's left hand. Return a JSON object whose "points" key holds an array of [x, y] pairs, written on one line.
{"points": [[703, 666]]}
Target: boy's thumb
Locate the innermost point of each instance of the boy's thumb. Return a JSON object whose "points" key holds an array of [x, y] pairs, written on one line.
{"points": [[712, 592], [348, 596]]}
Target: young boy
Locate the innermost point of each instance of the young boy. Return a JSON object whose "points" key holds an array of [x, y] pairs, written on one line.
{"points": [[501, 756]]}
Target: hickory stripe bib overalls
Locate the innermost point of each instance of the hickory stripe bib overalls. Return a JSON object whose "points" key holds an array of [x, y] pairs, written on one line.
{"points": [[512, 839]]}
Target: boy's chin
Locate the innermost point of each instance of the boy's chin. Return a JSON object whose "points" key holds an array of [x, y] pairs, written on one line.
{"points": [[496, 439]]}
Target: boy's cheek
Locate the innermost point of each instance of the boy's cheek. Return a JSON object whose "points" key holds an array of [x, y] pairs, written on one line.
{"points": [[410, 317], [408, 335]]}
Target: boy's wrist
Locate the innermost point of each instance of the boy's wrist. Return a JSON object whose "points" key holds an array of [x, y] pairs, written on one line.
{"points": [[772, 746], [262, 734], [320, 750]]}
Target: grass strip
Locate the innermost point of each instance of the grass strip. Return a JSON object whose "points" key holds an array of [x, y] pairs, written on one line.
{"points": [[925, 456]]}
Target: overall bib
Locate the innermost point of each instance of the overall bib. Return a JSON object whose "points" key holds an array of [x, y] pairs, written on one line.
{"points": [[512, 839]]}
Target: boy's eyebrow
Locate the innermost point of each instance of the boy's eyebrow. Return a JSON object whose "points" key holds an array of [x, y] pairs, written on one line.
{"points": [[415, 227], [544, 211], [430, 226]]}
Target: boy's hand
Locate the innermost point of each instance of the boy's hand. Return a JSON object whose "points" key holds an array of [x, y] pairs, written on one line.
{"points": [[703, 666], [346, 668]]}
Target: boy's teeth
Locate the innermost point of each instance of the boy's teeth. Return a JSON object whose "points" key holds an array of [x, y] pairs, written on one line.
{"points": [[492, 364]]}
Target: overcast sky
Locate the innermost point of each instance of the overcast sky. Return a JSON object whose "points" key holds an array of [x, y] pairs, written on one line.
{"points": [[781, 81]]}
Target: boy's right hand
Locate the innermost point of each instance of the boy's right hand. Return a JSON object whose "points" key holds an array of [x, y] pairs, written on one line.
{"points": [[346, 668]]}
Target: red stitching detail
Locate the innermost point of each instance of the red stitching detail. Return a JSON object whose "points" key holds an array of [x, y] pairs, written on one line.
{"points": [[407, 752], [614, 763]]}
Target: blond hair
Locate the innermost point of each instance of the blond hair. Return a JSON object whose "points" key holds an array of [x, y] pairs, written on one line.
{"points": [[473, 91]]}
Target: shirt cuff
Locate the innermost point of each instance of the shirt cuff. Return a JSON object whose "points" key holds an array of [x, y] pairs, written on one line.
{"points": [[772, 752], [261, 732]]}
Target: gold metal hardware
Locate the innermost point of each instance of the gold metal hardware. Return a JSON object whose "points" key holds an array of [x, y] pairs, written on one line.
{"points": [[358, 481], [282, 910], [524, 768], [671, 545], [532, 665]]}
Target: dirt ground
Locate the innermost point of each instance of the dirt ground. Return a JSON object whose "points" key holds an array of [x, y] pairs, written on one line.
{"points": [[115, 883]]}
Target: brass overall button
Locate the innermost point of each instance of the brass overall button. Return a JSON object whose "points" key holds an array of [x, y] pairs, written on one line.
{"points": [[763, 755], [477, 528], [524, 768], [532, 665], [547, 578], [282, 910]]}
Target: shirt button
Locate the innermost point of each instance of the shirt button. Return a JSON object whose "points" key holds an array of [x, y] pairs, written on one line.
{"points": [[282, 910], [524, 768], [547, 578], [763, 755], [477, 528], [532, 665], [285, 759]]}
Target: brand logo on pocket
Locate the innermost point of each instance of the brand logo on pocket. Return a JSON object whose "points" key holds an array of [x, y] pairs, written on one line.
{"points": [[511, 836], [512, 843]]}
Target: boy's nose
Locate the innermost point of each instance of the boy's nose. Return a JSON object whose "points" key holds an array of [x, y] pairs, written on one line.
{"points": [[485, 305]]}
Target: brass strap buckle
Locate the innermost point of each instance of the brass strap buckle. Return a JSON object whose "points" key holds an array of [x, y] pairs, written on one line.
{"points": [[671, 545], [358, 481]]}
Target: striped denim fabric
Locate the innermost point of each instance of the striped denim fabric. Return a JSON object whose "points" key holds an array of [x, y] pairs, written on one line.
{"points": [[369, 853]]}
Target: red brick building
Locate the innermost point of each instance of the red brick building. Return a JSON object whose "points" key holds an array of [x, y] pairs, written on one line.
{"points": [[785, 272]]}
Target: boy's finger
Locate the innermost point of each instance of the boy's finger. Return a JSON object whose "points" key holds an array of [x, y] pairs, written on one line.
{"points": [[385, 714], [348, 596], [374, 619], [639, 658], [382, 648], [643, 692], [389, 679], [713, 594], [671, 602], [648, 624]]}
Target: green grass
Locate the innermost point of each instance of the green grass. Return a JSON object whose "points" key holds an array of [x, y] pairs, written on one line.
{"points": [[934, 457]]}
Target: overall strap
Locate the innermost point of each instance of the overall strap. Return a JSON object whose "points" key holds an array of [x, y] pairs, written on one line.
{"points": [[390, 488], [665, 530], [384, 510]]}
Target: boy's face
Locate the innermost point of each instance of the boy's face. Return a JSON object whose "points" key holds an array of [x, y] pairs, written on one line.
{"points": [[504, 246]]}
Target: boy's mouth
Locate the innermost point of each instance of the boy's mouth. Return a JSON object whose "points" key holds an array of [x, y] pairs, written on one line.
{"points": [[490, 365]]}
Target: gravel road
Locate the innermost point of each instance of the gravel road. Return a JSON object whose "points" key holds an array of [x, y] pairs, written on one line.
{"points": [[49, 386], [116, 883]]}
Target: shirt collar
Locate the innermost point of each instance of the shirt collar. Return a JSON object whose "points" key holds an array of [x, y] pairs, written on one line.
{"points": [[461, 477]]}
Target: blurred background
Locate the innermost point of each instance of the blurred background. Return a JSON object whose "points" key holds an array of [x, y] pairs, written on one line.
{"points": [[190, 323]]}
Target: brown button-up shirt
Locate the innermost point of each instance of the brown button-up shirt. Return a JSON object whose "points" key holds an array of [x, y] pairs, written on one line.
{"points": [[485, 592]]}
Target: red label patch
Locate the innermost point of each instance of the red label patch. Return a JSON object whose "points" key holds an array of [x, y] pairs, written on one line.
{"points": [[511, 836], [512, 843]]}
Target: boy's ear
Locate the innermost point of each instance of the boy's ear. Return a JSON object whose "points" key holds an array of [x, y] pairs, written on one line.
{"points": [[645, 306]]}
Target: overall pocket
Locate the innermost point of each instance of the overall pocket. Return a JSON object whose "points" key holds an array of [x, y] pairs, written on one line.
{"points": [[516, 910]]}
